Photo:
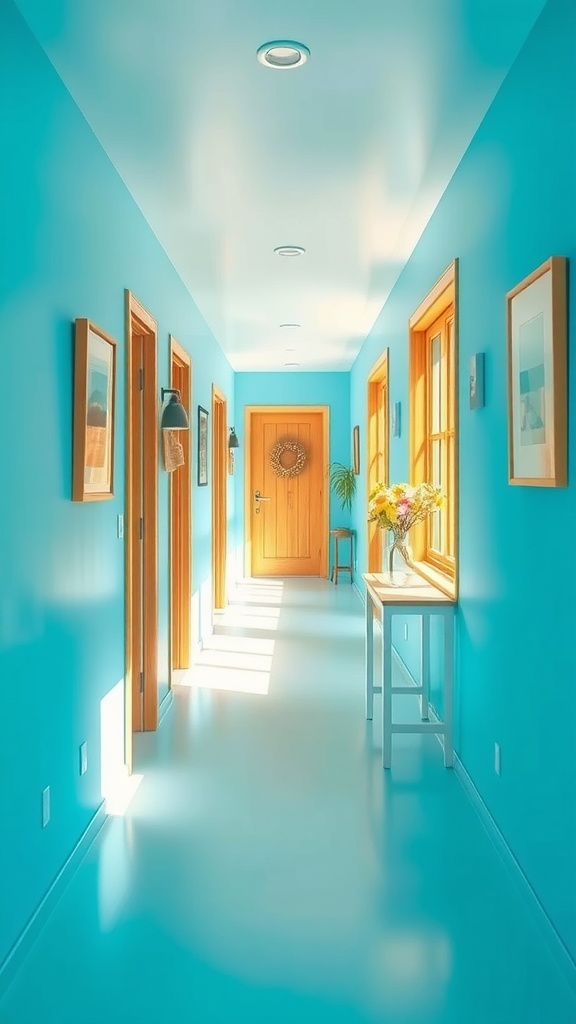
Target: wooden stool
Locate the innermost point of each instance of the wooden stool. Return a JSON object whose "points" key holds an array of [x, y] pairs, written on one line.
{"points": [[336, 567]]}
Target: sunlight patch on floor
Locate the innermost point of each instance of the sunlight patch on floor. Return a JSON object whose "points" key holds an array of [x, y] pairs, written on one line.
{"points": [[120, 797], [234, 680]]}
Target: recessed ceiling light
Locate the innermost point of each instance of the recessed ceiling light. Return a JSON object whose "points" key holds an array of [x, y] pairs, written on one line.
{"points": [[289, 250], [289, 327], [283, 54], [291, 364], [288, 350]]}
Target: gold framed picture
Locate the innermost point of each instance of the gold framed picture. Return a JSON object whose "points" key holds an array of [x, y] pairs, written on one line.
{"points": [[94, 397]]}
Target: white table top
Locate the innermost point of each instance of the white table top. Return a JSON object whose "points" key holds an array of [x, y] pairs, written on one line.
{"points": [[417, 591]]}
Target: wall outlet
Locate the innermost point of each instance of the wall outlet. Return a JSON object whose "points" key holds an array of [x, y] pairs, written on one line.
{"points": [[45, 806], [405, 630], [497, 758], [120, 526], [83, 758]]}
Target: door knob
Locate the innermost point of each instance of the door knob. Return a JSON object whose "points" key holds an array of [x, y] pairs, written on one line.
{"points": [[260, 497]]}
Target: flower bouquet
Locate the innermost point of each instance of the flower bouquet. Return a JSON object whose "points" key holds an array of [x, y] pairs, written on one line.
{"points": [[398, 508]]}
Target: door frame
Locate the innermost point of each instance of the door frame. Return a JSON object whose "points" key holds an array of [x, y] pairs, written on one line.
{"points": [[219, 497], [249, 410], [180, 522], [377, 421], [140, 323]]}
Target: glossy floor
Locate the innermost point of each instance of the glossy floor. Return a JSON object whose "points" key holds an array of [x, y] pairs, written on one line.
{"points": [[268, 872]]}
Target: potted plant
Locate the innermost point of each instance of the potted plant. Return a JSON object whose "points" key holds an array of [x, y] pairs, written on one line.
{"points": [[343, 483]]}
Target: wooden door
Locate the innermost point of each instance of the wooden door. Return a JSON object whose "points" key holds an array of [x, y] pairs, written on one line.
{"points": [[219, 503], [181, 521], [288, 527], [141, 527]]}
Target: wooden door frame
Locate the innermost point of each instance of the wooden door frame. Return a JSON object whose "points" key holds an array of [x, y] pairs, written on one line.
{"points": [[140, 323], [249, 410], [377, 464], [180, 520], [219, 502]]}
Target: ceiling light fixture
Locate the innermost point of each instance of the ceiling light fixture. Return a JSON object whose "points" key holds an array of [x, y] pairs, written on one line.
{"points": [[289, 250], [289, 327], [283, 54], [291, 364]]}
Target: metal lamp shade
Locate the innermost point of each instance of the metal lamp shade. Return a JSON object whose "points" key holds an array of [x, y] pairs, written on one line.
{"points": [[174, 415], [233, 441]]}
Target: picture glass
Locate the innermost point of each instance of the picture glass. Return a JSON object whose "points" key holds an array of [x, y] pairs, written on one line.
{"points": [[532, 381], [98, 457]]}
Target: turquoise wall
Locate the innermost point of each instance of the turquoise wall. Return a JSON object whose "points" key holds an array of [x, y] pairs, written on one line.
{"points": [[293, 388], [72, 240], [510, 205]]}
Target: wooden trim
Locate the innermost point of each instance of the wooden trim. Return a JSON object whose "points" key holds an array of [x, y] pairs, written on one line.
{"points": [[324, 411], [82, 330], [431, 307], [141, 594], [435, 306], [180, 541], [378, 454], [219, 495], [557, 266]]}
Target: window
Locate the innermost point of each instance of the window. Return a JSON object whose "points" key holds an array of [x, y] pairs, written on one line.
{"points": [[433, 440], [377, 435]]}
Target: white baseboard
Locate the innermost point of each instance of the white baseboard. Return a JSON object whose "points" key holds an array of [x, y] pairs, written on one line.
{"points": [[28, 936], [520, 880], [554, 941], [165, 705]]}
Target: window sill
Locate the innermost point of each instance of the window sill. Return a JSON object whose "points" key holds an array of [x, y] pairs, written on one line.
{"points": [[438, 579]]}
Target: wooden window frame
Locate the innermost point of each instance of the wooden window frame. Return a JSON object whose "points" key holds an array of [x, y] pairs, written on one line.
{"points": [[439, 306], [378, 444]]}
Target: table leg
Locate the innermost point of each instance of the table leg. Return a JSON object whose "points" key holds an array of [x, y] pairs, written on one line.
{"points": [[425, 665], [448, 688], [369, 659], [386, 687]]}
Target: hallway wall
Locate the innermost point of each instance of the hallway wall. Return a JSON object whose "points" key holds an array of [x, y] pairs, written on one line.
{"points": [[72, 240], [510, 205], [331, 389]]}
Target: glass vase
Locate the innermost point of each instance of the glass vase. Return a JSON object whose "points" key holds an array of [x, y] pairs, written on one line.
{"points": [[398, 558]]}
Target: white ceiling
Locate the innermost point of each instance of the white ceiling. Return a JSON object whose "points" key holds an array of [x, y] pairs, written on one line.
{"points": [[347, 155]]}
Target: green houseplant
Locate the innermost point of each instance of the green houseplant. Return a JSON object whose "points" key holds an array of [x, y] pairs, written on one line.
{"points": [[343, 483]]}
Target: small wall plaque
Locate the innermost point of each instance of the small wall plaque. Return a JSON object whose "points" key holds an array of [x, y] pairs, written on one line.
{"points": [[396, 424], [476, 381]]}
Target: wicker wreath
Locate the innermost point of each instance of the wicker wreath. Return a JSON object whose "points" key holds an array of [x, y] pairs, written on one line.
{"points": [[288, 445]]}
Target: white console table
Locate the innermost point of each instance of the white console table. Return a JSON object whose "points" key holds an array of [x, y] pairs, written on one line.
{"points": [[424, 600]]}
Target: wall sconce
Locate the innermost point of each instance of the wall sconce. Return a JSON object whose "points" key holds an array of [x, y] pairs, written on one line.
{"points": [[173, 414], [233, 443]]}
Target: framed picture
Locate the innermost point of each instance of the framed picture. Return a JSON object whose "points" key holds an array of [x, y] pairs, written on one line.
{"points": [[356, 450], [537, 386], [202, 446], [93, 430]]}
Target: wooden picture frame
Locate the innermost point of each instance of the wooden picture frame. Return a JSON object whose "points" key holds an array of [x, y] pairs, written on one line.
{"points": [[537, 377], [202, 446], [356, 450], [94, 413]]}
